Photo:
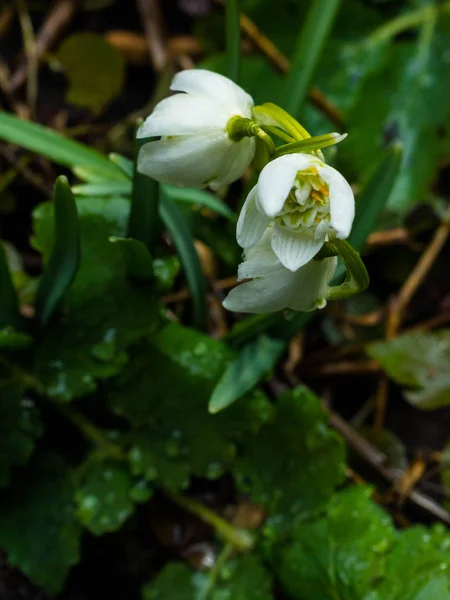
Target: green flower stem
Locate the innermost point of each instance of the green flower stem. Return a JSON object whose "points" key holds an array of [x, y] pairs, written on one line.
{"points": [[26, 379], [311, 144], [205, 592], [240, 539], [240, 127], [91, 432], [404, 22], [356, 279]]}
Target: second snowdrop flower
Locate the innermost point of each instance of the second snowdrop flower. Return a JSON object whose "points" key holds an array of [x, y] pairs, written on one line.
{"points": [[198, 145], [304, 200]]}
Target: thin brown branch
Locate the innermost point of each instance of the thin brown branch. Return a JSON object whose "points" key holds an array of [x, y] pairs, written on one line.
{"points": [[29, 44], [282, 64], [346, 367], [397, 235], [379, 460], [55, 23], [381, 401], [152, 21], [436, 321], [416, 278]]}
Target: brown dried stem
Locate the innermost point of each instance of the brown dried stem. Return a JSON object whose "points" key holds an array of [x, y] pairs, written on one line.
{"points": [[152, 22], [282, 64], [55, 23]]}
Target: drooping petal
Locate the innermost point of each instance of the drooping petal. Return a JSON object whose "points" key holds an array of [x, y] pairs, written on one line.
{"points": [[310, 285], [259, 260], [251, 223], [295, 248], [262, 294], [276, 180], [342, 201], [191, 161], [183, 114], [238, 158], [220, 89]]}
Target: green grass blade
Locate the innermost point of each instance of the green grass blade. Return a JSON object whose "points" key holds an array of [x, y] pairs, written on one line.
{"points": [[103, 188], [144, 214], [9, 303], [254, 362], [52, 145], [200, 197], [64, 259], [184, 243], [374, 197], [233, 39], [124, 164], [310, 44]]}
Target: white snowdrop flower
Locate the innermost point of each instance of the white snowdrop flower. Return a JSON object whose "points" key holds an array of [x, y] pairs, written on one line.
{"points": [[305, 200], [273, 287], [195, 148]]}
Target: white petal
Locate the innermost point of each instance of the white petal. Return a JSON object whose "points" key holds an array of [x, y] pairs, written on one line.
{"points": [[259, 260], [310, 286], [277, 178], [342, 201], [261, 295], [239, 156], [191, 161], [216, 87], [183, 114], [251, 223], [295, 248]]}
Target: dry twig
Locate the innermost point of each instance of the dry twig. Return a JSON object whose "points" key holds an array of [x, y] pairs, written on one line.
{"points": [[281, 62], [416, 278], [58, 19], [152, 22]]}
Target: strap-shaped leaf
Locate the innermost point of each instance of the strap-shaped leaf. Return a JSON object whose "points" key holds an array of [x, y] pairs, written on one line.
{"points": [[9, 304], [242, 374], [52, 145], [184, 243], [310, 44], [375, 196], [63, 263], [143, 221]]}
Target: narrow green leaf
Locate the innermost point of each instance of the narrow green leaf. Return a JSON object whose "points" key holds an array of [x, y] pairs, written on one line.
{"points": [[373, 200], [375, 196], [124, 164], [48, 143], [184, 243], [10, 339], [137, 257], [64, 259], [194, 196], [143, 220], [103, 188], [9, 304], [310, 44], [94, 174], [253, 363], [312, 143], [233, 41]]}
